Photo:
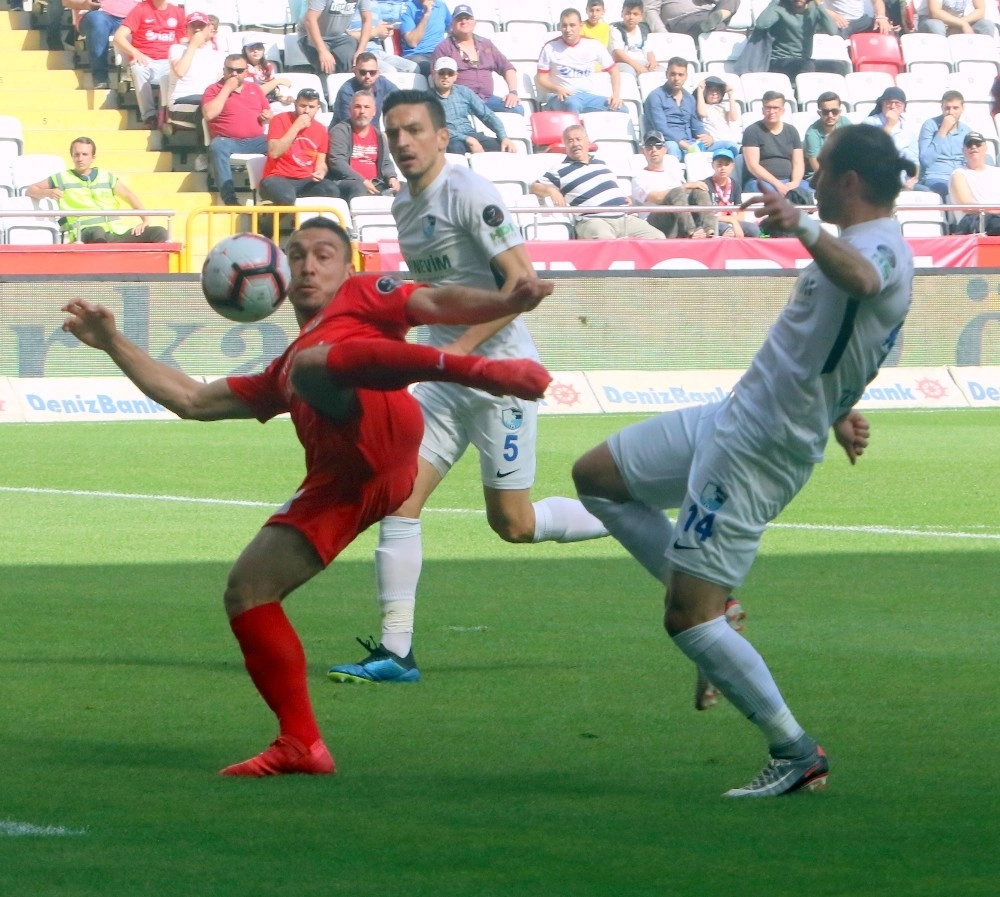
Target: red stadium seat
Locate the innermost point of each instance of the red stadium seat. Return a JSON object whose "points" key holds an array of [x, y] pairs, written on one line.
{"points": [[547, 129], [872, 52]]}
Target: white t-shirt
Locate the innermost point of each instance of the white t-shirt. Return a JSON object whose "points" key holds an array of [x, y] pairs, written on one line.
{"points": [[822, 351], [205, 69], [449, 234], [574, 66], [984, 185], [631, 43], [646, 182], [718, 126]]}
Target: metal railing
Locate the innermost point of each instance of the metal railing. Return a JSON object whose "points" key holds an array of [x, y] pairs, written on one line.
{"points": [[57, 215]]}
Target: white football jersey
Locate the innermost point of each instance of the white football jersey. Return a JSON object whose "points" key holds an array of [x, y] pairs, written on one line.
{"points": [[449, 234], [823, 350]]}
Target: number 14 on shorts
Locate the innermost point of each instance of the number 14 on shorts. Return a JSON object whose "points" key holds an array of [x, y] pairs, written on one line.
{"points": [[701, 525]]}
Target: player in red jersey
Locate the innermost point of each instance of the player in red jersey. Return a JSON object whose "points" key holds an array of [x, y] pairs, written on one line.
{"points": [[343, 381]]}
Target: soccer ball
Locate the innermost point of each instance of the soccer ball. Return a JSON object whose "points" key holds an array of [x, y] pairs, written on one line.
{"points": [[245, 277]]}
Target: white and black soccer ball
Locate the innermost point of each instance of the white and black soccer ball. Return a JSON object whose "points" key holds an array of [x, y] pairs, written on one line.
{"points": [[245, 277]]}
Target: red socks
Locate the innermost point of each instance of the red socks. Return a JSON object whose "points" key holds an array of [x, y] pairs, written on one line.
{"points": [[276, 663], [387, 364]]}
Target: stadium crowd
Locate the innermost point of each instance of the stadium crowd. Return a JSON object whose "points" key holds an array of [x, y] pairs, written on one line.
{"points": [[752, 88]]}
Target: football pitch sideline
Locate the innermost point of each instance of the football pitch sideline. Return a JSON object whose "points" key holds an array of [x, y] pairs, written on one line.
{"points": [[552, 747]]}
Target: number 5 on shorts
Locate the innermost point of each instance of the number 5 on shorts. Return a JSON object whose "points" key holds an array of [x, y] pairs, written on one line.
{"points": [[510, 447]]}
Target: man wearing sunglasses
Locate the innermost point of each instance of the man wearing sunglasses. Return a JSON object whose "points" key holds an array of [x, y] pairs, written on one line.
{"points": [[830, 111], [296, 154], [366, 77], [236, 111]]}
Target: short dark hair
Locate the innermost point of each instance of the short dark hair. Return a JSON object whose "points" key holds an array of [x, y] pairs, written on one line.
{"points": [[330, 225], [569, 11], [770, 95], [631, 4], [677, 60], [952, 95], [417, 98], [828, 96], [84, 140], [365, 56], [870, 153]]}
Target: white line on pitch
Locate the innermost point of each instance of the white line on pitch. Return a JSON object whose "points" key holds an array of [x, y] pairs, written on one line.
{"points": [[930, 531], [11, 829]]}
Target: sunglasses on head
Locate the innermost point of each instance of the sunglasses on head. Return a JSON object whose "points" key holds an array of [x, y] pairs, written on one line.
{"points": [[308, 94]]}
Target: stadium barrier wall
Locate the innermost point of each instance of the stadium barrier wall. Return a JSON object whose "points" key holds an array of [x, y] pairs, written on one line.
{"points": [[622, 342]]}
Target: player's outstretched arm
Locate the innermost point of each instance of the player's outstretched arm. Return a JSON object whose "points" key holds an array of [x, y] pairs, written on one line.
{"points": [[837, 259], [852, 432], [456, 304], [94, 325]]}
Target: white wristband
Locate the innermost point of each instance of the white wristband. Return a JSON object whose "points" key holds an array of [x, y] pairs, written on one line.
{"points": [[808, 230]]}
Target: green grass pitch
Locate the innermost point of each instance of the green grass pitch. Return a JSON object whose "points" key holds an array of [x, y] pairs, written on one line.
{"points": [[551, 749]]}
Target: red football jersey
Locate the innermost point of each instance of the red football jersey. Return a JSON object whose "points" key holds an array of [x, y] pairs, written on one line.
{"points": [[387, 430]]}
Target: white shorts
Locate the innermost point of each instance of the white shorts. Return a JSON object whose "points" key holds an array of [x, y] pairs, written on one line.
{"points": [[725, 494], [503, 430]]}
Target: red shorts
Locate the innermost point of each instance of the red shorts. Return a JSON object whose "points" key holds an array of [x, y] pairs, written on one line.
{"points": [[331, 514]]}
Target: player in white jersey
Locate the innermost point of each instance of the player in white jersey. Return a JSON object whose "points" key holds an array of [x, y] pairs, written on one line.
{"points": [[731, 467], [454, 228]]}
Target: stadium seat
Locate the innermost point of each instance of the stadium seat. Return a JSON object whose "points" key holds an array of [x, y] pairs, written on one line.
{"points": [[487, 12], [698, 166], [255, 173], [650, 81], [11, 137], [227, 11], [611, 127], [547, 129], [802, 120], [756, 84], [304, 81], [915, 220], [519, 46], [524, 16], [831, 48], [922, 84], [295, 60], [334, 82], [864, 88], [30, 168], [325, 202], [809, 85], [407, 80], [265, 15], [669, 44], [928, 54], [972, 48], [517, 128], [512, 168], [873, 52], [720, 49], [373, 218], [27, 231]]}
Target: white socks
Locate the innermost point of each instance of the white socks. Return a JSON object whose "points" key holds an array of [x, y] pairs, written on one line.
{"points": [[398, 560], [739, 672], [644, 532], [565, 520]]}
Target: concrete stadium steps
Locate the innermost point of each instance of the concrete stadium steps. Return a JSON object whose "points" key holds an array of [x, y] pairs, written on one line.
{"points": [[52, 118], [46, 99], [57, 140], [37, 74]]}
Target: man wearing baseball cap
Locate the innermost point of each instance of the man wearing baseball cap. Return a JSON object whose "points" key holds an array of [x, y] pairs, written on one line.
{"points": [[976, 182], [889, 114], [459, 104], [477, 59]]}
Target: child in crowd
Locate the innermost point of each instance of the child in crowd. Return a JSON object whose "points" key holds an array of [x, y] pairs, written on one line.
{"points": [[261, 71], [725, 192], [722, 120], [628, 40], [595, 26]]}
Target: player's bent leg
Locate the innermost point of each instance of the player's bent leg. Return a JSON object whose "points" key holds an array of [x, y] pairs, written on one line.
{"points": [[276, 561], [510, 514]]}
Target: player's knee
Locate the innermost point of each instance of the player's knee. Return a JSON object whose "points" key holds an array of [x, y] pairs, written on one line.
{"points": [[595, 474]]}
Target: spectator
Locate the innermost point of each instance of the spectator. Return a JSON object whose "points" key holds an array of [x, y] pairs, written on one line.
{"points": [[889, 114], [855, 16], [628, 40], [323, 34], [941, 144], [724, 191], [260, 71], [946, 17], [144, 39], [423, 25], [792, 24], [673, 112], [385, 19], [459, 104], [721, 123], [580, 179], [98, 21], [296, 154], [655, 185], [366, 77], [359, 162], [595, 27], [236, 111], [976, 182], [689, 16], [93, 193], [478, 58], [829, 110], [772, 154], [566, 66], [195, 64]]}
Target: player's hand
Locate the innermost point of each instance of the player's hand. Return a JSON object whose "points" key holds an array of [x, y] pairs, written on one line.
{"points": [[528, 292], [775, 212], [852, 432], [92, 324]]}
